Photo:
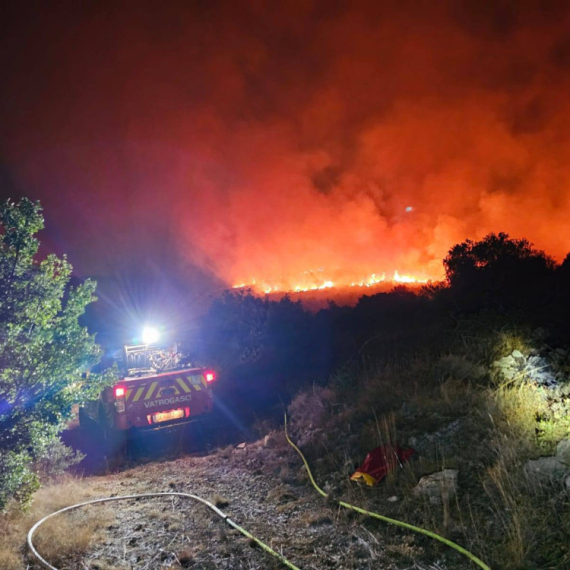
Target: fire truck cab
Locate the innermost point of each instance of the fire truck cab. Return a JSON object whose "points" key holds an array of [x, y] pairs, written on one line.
{"points": [[155, 392]]}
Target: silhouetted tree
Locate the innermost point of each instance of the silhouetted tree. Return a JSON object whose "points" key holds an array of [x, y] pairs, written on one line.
{"points": [[564, 271], [499, 272]]}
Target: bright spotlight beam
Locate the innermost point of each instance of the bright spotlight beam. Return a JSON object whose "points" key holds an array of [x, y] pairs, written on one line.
{"points": [[150, 335]]}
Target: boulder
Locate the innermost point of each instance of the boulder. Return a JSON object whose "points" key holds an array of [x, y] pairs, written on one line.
{"points": [[537, 362], [438, 487], [445, 440], [551, 468], [546, 469], [539, 370], [505, 362], [507, 366], [519, 357], [534, 368]]}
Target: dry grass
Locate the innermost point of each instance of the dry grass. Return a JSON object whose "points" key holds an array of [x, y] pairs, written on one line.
{"points": [[63, 538], [510, 507], [510, 521], [220, 501]]}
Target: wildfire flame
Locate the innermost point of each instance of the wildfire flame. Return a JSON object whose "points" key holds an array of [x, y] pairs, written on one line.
{"points": [[268, 287]]}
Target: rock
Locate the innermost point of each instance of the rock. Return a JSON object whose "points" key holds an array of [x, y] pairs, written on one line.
{"points": [[537, 362], [563, 451], [241, 445], [544, 378], [438, 487], [539, 370], [508, 367], [534, 368], [505, 362], [519, 357], [567, 483], [445, 440], [269, 441], [546, 469]]}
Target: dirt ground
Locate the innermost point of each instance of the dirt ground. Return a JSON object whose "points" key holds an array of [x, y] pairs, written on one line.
{"points": [[265, 490]]}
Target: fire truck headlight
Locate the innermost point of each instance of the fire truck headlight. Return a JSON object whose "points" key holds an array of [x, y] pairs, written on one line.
{"points": [[150, 335]]}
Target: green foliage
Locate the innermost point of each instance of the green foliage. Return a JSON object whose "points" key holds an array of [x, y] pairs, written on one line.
{"points": [[54, 459], [17, 480], [44, 351]]}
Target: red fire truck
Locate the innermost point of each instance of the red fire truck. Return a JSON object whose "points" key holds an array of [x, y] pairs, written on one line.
{"points": [[157, 391]]}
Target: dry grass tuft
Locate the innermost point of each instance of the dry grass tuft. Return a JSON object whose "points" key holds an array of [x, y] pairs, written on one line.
{"points": [[318, 518], [281, 495], [220, 501], [185, 558], [65, 537], [9, 559], [310, 408]]}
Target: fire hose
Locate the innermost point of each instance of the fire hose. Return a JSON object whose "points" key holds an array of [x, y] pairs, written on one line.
{"points": [[247, 534], [220, 513], [402, 524]]}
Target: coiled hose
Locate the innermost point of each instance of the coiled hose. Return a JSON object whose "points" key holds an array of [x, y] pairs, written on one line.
{"points": [[220, 513], [402, 524]]}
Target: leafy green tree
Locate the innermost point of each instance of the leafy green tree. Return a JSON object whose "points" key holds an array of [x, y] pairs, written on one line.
{"points": [[44, 351]]}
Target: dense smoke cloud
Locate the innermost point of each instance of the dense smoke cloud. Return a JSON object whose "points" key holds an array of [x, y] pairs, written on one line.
{"points": [[266, 140]]}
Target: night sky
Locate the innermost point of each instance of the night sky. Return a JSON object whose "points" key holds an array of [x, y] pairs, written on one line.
{"points": [[221, 142]]}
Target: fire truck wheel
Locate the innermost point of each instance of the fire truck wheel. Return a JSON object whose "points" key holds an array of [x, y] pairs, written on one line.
{"points": [[114, 440], [87, 423]]}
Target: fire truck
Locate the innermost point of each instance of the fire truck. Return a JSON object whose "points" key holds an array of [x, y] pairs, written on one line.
{"points": [[158, 390]]}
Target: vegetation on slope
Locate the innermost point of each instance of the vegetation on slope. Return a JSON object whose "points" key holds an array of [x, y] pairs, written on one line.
{"points": [[418, 370], [43, 353]]}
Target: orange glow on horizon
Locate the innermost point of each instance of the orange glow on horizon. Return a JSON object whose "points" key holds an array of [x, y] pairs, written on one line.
{"points": [[291, 286]]}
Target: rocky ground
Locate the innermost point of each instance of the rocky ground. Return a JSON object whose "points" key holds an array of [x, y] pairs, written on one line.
{"points": [[261, 486]]}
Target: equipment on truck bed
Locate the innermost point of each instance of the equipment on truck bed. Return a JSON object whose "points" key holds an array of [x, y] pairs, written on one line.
{"points": [[143, 358], [159, 388]]}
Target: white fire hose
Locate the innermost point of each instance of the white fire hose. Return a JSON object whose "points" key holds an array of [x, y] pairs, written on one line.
{"points": [[220, 513]]}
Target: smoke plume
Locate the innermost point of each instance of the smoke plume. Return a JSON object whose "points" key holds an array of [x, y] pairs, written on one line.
{"points": [[289, 141]]}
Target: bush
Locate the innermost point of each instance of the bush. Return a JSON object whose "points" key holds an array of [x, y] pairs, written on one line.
{"points": [[17, 480], [499, 273], [55, 459], [44, 351]]}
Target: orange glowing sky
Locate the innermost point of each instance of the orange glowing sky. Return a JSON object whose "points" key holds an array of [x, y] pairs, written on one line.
{"points": [[292, 142]]}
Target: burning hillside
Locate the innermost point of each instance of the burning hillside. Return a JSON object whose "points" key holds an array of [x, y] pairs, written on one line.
{"points": [[314, 289], [318, 281]]}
